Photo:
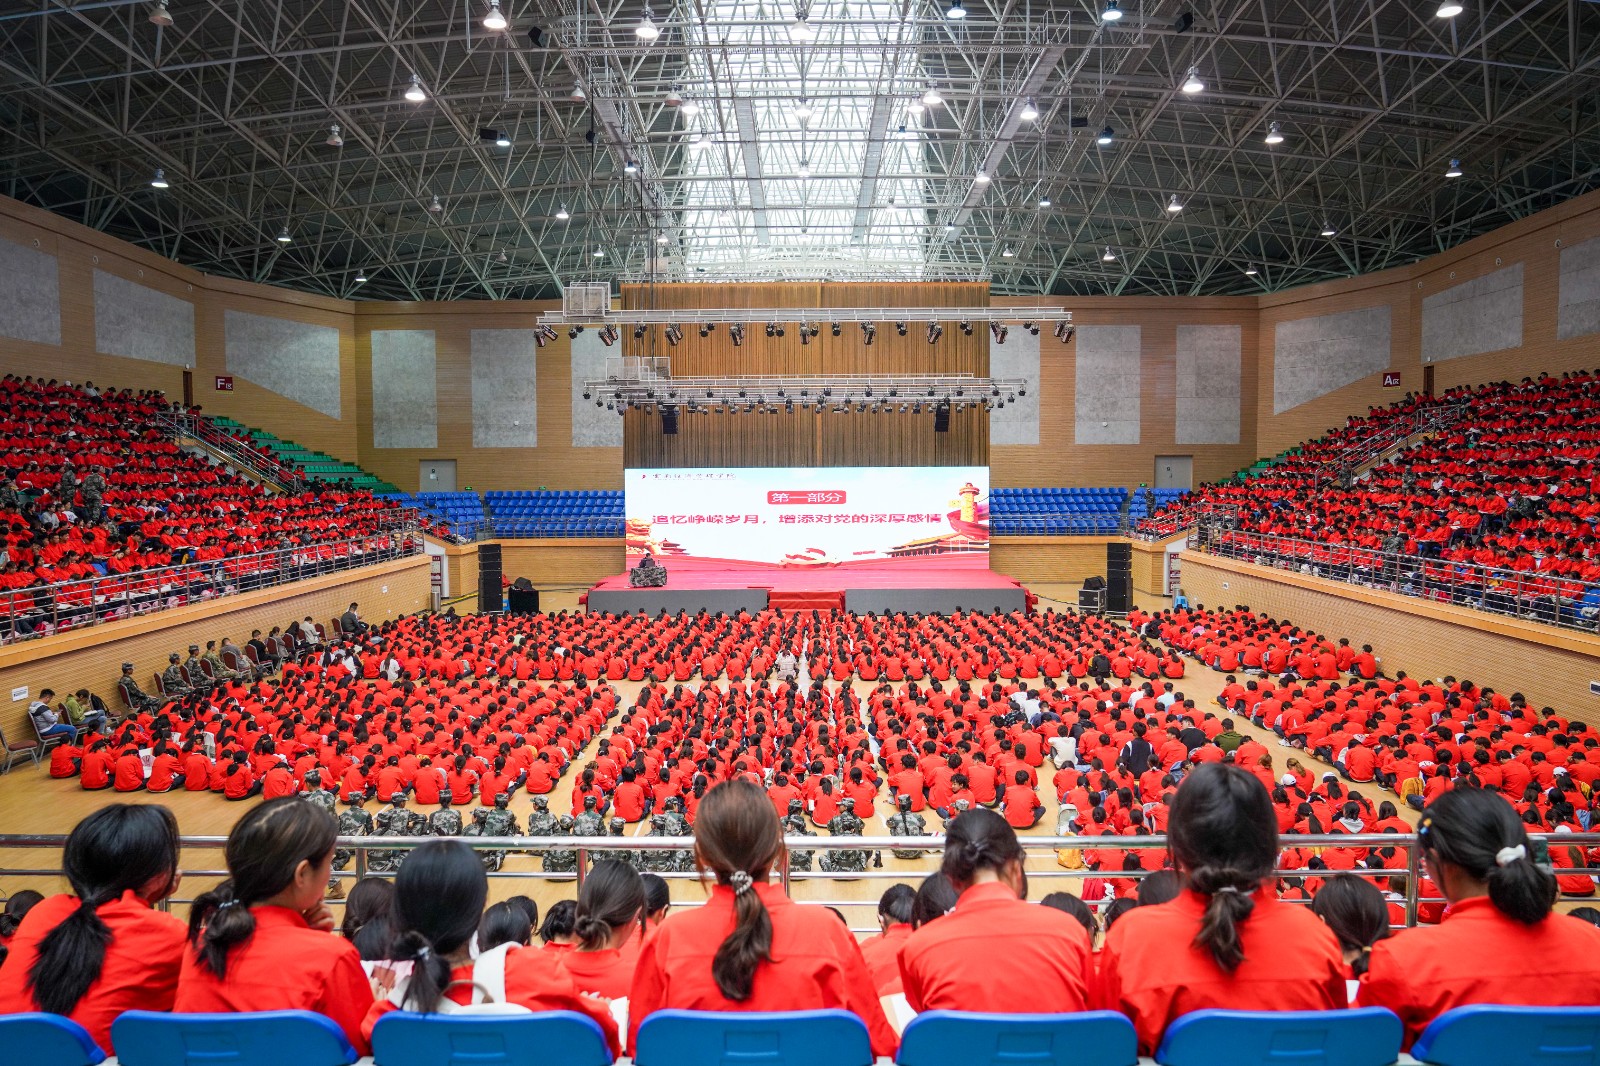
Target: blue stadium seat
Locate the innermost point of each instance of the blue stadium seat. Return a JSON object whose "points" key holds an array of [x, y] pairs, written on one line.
{"points": [[402, 1038], [959, 1038], [1368, 1036], [47, 1040], [1511, 1036], [735, 1038], [269, 1038]]}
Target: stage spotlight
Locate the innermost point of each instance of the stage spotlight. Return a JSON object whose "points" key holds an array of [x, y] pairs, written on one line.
{"points": [[935, 331], [638, 332], [544, 335], [900, 328], [772, 330], [736, 334], [705, 330], [869, 333], [966, 328], [835, 329], [805, 335], [572, 334], [998, 331], [674, 335], [1060, 332]]}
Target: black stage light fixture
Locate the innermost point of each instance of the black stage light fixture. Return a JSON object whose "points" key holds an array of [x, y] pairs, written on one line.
{"points": [[572, 334], [1183, 23], [966, 328], [638, 332], [998, 331], [835, 329], [772, 330], [900, 328]]}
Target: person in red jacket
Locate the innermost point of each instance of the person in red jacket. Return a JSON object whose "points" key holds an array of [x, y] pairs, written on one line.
{"points": [[165, 769], [751, 948], [882, 952], [943, 965], [1499, 941], [104, 949], [630, 802], [611, 908], [129, 774], [1226, 941], [1022, 807], [263, 939], [95, 771]]}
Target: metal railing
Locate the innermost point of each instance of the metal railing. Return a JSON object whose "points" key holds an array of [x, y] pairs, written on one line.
{"points": [[586, 850], [554, 525], [41, 610], [1537, 597], [234, 451]]}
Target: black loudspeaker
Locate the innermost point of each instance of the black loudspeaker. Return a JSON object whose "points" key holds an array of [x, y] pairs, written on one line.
{"points": [[1119, 578], [941, 418], [669, 420], [522, 601], [489, 593]]}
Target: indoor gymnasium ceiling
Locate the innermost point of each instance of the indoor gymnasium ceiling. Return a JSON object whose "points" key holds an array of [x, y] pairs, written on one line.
{"points": [[818, 159]]}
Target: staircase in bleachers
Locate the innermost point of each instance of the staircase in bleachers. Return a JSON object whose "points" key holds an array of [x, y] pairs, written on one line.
{"points": [[571, 513], [319, 465]]}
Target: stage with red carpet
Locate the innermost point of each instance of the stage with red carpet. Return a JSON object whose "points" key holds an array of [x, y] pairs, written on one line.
{"points": [[942, 583]]}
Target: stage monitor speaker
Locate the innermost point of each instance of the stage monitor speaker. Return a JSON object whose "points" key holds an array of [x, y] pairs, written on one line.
{"points": [[522, 601], [669, 420], [489, 592], [1119, 578], [941, 418]]}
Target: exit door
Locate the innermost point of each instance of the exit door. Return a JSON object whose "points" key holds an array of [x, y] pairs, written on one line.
{"points": [[436, 475], [1174, 472]]}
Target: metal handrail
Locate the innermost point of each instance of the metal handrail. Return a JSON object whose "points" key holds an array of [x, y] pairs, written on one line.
{"points": [[1534, 596], [186, 424], [94, 601]]}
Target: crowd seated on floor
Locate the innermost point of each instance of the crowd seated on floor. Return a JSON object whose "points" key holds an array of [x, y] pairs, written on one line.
{"points": [[102, 514], [1511, 485]]}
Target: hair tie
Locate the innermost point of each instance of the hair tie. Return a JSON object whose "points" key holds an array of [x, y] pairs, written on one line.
{"points": [[741, 881], [225, 906], [423, 953], [1507, 856]]}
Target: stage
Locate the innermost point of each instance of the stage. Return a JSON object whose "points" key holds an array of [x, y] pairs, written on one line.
{"points": [[926, 584]]}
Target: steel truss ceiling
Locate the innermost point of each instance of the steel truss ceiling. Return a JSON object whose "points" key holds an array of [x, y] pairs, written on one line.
{"points": [[235, 100]]}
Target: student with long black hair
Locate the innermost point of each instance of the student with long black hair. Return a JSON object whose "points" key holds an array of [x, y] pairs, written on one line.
{"points": [[1500, 942], [1226, 941], [103, 949], [751, 948], [611, 907], [1354, 908], [263, 939]]}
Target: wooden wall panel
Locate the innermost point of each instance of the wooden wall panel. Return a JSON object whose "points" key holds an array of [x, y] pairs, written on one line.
{"points": [[1426, 639], [1049, 560], [90, 658]]}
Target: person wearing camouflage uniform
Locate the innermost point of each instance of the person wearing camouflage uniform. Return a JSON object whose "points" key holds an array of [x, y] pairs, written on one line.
{"points": [[137, 699], [93, 490], [845, 824], [173, 680], [795, 826], [564, 861], [354, 821], [492, 860], [618, 828], [444, 822], [589, 823], [314, 794], [663, 861], [906, 823], [678, 826], [500, 822], [960, 806], [395, 821]]}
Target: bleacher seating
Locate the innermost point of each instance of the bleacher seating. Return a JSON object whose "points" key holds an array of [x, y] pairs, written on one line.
{"points": [[404, 1038], [1056, 511], [1491, 1035], [958, 1038], [266, 1038], [460, 512], [47, 1040], [315, 464], [756, 1038], [1368, 1036], [572, 513]]}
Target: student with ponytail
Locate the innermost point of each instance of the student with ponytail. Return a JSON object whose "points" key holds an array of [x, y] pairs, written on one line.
{"points": [[1226, 941], [1499, 941], [439, 894], [104, 949], [751, 948], [948, 964], [610, 909], [263, 939]]}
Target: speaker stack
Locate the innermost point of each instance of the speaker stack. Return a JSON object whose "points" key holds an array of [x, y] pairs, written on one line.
{"points": [[1119, 578], [489, 594]]}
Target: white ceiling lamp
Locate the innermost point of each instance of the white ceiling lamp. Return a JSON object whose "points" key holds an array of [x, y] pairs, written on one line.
{"points": [[1454, 169], [647, 30], [800, 29], [805, 170], [599, 253], [1250, 270], [501, 257], [894, 208], [674, 97], [630, 167], [361, 276], [1274, 133], [1111, 12], [578, 95], [1108, 256], [414, 91], [932, 98], [1449, 9], [562, 214], [689, 109], [1030, 112], [160, 180], [955, 12], [494, 20], [1192, 83], [661, 239], [1328, 230], [159, 15], [436, 207], [915, 108], [1007, 253], [1173, 205], [335, 137], [700, 143], [1044, 199], [1107, 135], [502, 140], [283, 235], [981, 177], [802, 110]]}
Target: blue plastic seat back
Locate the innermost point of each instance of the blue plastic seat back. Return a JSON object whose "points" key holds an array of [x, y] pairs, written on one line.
{"points": [[1368, 1036], [1512, 1036], [267, 1038], [47, 1040], [403, 1038], [736, 1038], [960, 1038]]}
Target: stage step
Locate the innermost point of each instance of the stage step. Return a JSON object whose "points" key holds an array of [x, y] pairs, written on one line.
{"points": [[806, 599]]}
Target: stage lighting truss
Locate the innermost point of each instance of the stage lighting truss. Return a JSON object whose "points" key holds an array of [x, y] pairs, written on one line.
{"points": [[646, 384], [773, 320]]}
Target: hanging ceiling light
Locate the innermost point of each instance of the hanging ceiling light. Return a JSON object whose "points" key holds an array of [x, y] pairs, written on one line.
{"points": [[1173, 206], [915, 108], [283, 235], [561, 213], [955, 11], [674, 97], [502, 140], [1250, 270], [805, 170], [647, 30], [1030, 111], [335, 137], [630, 167], [931, 97], [1007, 253], [1328, 230], [981, 177], [802, 110], [1274, 133], [662, 239], [599, 253], [159, 15], [160, 180], [1107, 135], [1192, 83], [1111, 12], [1454, 169], [800, 29], [361, 276], [1449, 9], [501, 257], [700, 142], [436, 207], [1044, 199], [494, 20], [578, 95], [689, 109], [414, 91], [1108, 256]]}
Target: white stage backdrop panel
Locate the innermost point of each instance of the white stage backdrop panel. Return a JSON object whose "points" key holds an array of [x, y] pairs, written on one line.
{"points": [[592, 427], [299, 360], [405, 394], [30, 279], [1108, 378], [1314, 356], [505, 389], [811, 517], [1208, 395], [1477, 316], [1578, 303], [138, 322], [1018, 421]]}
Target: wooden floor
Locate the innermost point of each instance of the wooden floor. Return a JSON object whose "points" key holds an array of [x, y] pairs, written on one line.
{"points": [[33, 803]]}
